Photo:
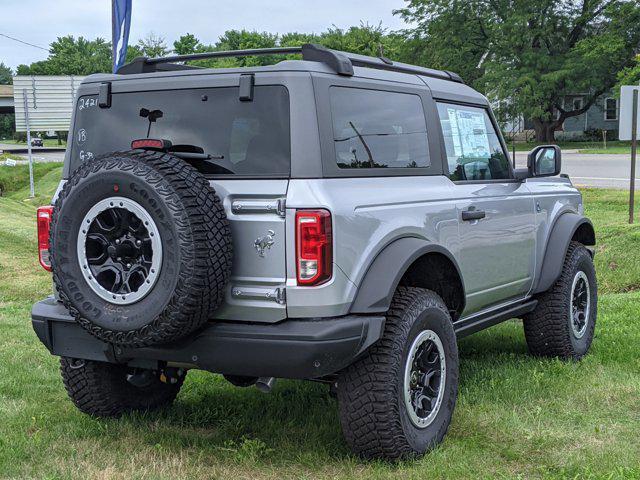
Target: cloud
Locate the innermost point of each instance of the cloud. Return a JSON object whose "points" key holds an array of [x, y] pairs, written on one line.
{"points": [[41, 22]]}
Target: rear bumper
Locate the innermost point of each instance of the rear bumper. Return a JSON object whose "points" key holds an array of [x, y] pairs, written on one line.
{"points": [[294, 348]]}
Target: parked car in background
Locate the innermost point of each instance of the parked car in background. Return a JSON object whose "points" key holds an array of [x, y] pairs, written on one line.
{"points": [[36, 142]]}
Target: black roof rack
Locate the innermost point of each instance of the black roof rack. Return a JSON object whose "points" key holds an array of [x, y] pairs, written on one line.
{"points": [[340, 62]]}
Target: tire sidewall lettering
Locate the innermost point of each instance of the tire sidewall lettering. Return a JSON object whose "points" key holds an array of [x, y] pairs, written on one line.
{"points": [[89, 190]]}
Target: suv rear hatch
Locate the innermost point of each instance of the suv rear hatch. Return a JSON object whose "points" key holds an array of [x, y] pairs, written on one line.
{"points": [[241, 145]]}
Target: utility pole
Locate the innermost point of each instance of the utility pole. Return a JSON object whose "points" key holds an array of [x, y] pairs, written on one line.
{"points": [[26, 119], [634, 149]]}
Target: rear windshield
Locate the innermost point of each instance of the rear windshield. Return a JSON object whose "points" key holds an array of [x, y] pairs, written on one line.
{"points": [[242, 138]]}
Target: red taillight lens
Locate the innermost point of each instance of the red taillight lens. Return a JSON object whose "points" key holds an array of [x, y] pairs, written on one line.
{"points": [[314, 247], [44, 224], [150, 143]]}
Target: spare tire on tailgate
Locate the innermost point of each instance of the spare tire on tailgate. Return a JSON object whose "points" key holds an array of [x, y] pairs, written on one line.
{"points": [[140, 248]]}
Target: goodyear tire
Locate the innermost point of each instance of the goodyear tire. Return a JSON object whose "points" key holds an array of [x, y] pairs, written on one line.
{"points": [[564, 321], [140, 248], [397, 400]]}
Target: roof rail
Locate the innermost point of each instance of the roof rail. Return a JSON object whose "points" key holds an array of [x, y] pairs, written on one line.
{"points": [[316, 53], [383, 63], [341, 62]]}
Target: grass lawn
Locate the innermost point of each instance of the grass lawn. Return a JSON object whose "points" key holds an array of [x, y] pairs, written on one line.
{"points": [[14, 181], [516, 416], [46, 142]]}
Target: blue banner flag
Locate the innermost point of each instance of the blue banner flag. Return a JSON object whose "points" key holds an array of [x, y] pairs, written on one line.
{"points": [[120, 24]]}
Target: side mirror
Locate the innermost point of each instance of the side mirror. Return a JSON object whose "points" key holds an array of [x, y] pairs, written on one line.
{"points": [[544, 161]]}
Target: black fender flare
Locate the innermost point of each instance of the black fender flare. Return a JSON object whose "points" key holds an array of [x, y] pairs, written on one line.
{"points": [[383, 276], [561, 234]]}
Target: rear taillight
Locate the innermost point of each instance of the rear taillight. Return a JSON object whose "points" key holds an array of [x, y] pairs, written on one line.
{"points": [[314, 247], [44, 224]]}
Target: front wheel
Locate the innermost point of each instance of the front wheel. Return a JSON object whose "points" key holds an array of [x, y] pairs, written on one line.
{"points": [[563, 323], [398, 399]]}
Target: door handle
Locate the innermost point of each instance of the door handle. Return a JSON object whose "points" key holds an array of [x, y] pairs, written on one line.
{"points": [[472, 214]]}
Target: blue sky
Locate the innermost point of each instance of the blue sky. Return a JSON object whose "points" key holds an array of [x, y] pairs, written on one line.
{"points": [[41, 21]]}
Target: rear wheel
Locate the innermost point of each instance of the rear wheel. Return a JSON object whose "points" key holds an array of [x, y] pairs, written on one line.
{"points": [[398, 399], [563, 323], [108, 390]]}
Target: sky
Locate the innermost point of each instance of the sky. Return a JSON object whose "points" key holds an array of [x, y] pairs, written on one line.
{"points": [[40, 22]]}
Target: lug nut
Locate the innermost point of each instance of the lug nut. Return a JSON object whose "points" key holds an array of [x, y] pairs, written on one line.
{"points": [[138, 243], [117, 241]]}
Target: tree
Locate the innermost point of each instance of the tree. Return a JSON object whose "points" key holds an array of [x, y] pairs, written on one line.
{"points": [[152, 46], [630, 75], [186, 44], [68, 56], [365, 39], [531, 53], [6, 75]]}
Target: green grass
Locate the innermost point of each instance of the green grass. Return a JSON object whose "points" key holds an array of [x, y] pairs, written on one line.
{"points": [[517, 416], [622, 150], [9, 156], [14, 181], [47, 142]]}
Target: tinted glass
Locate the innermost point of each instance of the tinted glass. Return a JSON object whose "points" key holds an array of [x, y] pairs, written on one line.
{"points": [[611, 109], [472, 145], [244, 138], [376, 129]]}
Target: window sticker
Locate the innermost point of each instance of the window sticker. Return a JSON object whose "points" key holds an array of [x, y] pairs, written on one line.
{"points": [[469, 133]]}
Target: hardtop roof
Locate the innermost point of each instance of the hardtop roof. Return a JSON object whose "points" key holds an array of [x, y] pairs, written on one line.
{"points": [[443, 85]]}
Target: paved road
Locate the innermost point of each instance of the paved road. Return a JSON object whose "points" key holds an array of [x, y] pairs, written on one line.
{"points": [[606, 170], [38, 156]]}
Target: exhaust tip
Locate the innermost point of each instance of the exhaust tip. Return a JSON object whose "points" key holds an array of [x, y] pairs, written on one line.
{"points": [[265, 384]]}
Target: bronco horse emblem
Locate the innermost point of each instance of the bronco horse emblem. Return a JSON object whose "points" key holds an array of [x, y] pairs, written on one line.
{"points": [[264, 243]]}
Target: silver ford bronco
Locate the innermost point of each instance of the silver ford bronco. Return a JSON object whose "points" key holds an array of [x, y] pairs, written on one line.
{"points": [[340, 218]]}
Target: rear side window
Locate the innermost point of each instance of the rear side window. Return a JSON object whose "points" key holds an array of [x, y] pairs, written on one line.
{"points": [[243, 138], [473, 149], [378, 129]]}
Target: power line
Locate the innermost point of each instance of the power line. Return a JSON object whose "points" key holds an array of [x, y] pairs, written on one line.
{"points": [[22, 41]]}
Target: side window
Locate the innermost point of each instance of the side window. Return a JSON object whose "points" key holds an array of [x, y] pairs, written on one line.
{"points": [[611, 109], [378, 129], [473, 149]]}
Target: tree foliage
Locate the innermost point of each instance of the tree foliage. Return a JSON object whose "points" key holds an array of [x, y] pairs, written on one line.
{"points": [[71, 56], [532, 53], [630, 75], [6, 75], [152, 45], [365, 39]]}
